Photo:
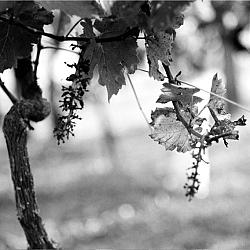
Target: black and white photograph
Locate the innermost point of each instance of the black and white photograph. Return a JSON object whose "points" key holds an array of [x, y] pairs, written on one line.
{"points": [[125, 124]]}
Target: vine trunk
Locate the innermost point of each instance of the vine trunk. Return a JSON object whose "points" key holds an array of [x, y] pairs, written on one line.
{"points": [[15, 131]]}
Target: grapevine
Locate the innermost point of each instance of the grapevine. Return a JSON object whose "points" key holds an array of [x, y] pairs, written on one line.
{"points": [[113, 51], [181, 127], [107, 45]]}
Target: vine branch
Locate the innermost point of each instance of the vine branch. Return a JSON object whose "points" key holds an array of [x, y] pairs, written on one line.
{"points": [[216, 120], [39, 48], [183, 121], [217, 137], [8, 93], [177, 107], [128, 33]]}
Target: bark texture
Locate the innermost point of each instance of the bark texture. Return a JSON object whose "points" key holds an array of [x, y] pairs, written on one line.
{"points": [[15, 127]]}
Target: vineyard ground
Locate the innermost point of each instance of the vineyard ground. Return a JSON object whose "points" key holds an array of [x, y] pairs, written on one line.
{"points": [[139, 203]]}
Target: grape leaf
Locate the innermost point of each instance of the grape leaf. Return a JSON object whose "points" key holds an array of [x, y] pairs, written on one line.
{"points": [[170, 132], [115, 57], [215, 103], [174, 93], [223, 124], [111, 57], [167, 14], [91, 51], [130, 11], [159, 29], [158, 48], [84, 9], [154, 16], [16, 42]]}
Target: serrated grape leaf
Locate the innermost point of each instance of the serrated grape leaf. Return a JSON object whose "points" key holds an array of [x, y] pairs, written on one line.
{"points": [[91, 51], [170, 132], [215, 103], [158, 48], [112, 58], [174, 93], [16, 42], [84, 9]]}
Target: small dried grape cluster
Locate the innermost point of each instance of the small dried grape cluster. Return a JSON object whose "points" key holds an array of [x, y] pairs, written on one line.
{"points": [[193, 183], [221, 130], [72, 101]]}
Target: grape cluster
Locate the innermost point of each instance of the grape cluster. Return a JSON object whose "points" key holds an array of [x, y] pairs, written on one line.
{"points": [[72, 101]]}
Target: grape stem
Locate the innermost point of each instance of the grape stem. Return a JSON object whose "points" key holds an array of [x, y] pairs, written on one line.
{"points": [[128, 33], [177, 106], [138, 102], [8, 93]]}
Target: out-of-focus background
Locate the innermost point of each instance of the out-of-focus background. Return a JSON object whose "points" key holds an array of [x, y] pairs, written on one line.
{"points": [[112, 186]]}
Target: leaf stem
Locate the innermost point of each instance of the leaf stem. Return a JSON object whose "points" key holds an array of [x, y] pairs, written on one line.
{"points": [[216, 120], [217, 137], [183, 121], [177, 107], [168, 72], [138, 102]]}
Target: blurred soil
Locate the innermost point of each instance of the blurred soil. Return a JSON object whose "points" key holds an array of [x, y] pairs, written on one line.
{"points": [[135, 200]]}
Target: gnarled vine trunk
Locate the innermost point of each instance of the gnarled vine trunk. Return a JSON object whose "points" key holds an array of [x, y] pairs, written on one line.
{"points": [[15, 127]]}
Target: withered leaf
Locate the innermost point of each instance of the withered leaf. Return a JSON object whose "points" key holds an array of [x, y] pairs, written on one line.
{"points": [[158, 48], [216, 103], [170, 132]]}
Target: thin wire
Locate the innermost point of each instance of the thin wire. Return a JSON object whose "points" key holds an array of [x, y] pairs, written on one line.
{"points": [[138, 103], [211, 93], [218, 96], [58, 48]]}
